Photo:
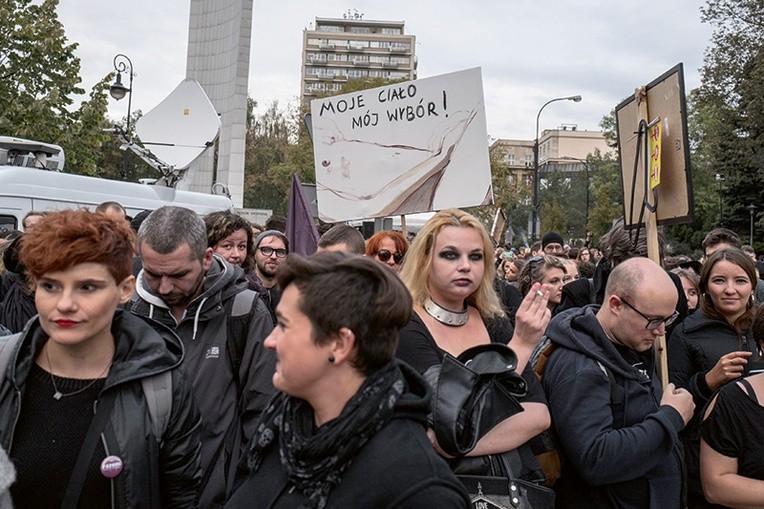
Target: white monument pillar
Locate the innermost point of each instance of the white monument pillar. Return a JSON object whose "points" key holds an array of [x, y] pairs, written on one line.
{"points": [[219, 36]]}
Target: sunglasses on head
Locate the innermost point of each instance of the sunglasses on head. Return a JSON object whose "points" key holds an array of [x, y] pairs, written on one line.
{"points": [[384, 255]]}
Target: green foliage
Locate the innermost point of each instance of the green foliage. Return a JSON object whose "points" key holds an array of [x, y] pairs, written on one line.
{"points": [[84, 136], [39, 73], [511, 193], [267, 146], [39, 78], [606, 195], [730, 117]]}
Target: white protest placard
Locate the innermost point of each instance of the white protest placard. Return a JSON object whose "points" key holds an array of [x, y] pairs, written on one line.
{"points": [[410, 147]]}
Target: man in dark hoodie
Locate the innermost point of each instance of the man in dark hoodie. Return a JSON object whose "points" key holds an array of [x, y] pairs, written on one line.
{"points": [[193, 291], [618, 429]]}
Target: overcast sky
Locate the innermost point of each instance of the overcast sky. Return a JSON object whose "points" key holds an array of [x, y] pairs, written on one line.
{"points": [[530, 51]]}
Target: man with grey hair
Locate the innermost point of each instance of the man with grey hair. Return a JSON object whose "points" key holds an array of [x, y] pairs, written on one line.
{"points": [[222, 325]]}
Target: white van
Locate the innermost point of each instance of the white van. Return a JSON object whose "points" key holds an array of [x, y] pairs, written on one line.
{"points": [[31, 179], [25, 189]]}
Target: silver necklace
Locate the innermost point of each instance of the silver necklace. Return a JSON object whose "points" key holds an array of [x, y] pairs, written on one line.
{"points": [[58, 394], [444, 316]]}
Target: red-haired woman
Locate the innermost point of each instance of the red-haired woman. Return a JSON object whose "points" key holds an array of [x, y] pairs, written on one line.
{"points": [[74, 412], [388, 247]]}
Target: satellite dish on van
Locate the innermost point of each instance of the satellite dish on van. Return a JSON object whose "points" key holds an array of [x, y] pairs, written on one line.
{"points": [[180, 127]]}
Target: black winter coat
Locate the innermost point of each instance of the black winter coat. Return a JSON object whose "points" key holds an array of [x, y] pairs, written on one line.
{"points": [[633, 463], [154, 475], [397, 468], [695, 346]]}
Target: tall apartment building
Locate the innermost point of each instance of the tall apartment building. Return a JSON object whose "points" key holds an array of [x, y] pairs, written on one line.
{"points": [[342, 49]]}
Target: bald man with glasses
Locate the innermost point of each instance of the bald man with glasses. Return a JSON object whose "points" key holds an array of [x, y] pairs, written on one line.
{"points": [[618, 429]]}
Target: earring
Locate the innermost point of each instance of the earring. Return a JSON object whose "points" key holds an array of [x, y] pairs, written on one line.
{"points": [[331, 358]]}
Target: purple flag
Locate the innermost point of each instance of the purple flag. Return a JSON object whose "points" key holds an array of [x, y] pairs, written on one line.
{"points": [[300, 229]]}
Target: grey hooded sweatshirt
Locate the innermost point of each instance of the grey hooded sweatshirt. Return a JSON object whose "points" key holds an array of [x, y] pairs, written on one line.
{"points": [[226, 422]]}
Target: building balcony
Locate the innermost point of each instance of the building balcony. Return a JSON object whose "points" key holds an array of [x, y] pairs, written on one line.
{"points": [[361, 63], [326, 47], [356, 47], [317, 62]]}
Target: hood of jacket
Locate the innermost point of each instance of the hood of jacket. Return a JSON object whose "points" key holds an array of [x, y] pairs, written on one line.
{"points": [[221, 282], [579, 330], [143, 348], [414, 403]]}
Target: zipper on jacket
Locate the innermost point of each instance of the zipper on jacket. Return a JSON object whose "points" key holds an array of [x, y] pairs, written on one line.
{"points": [[16, 420]]}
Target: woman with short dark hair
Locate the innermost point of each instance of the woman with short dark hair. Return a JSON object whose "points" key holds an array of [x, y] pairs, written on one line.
{"points": [[230, 236], [347, 428]]}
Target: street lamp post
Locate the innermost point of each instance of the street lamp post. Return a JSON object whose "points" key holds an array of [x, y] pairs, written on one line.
{"points": [[752, 209], [586, 168], [535, 214], [720, 180], [119, 91]]}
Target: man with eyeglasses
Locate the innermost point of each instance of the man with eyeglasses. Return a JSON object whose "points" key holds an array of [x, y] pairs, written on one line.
{"points": [[553, 244], [618, 429], [271, 249]]}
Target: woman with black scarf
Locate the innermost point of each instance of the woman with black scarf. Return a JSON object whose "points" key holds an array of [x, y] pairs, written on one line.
{"points": [[347, 428]]}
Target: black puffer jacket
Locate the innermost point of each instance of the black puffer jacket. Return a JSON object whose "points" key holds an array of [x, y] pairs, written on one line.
{"points": [[695, 346], [142, 350]]}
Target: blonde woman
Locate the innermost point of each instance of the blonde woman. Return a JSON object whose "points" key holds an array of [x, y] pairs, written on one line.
{"points": [[449, 271]]}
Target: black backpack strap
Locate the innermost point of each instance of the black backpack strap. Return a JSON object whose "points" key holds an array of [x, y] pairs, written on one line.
{"points": [[77, 479], [239, 311], [616, 397], [751, 393], [157, 389]]}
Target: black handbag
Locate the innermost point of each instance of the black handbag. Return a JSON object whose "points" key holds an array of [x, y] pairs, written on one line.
{"points": [[473, 393], [500, 488]]}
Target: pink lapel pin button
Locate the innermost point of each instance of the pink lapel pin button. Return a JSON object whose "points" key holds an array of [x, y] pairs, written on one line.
{"points": [[111, 466]]}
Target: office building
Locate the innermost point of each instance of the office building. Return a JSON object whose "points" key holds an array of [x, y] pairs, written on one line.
{"points": [[341, 49]]}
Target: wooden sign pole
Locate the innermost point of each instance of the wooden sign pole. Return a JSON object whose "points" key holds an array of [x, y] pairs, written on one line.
{"points": [[651, 228]]}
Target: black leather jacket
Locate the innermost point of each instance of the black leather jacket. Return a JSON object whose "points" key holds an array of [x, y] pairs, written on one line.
{"points": [[156, 474]]}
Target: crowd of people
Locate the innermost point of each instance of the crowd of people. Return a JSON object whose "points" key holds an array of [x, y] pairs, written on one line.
{"points": [[174, 360]]}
